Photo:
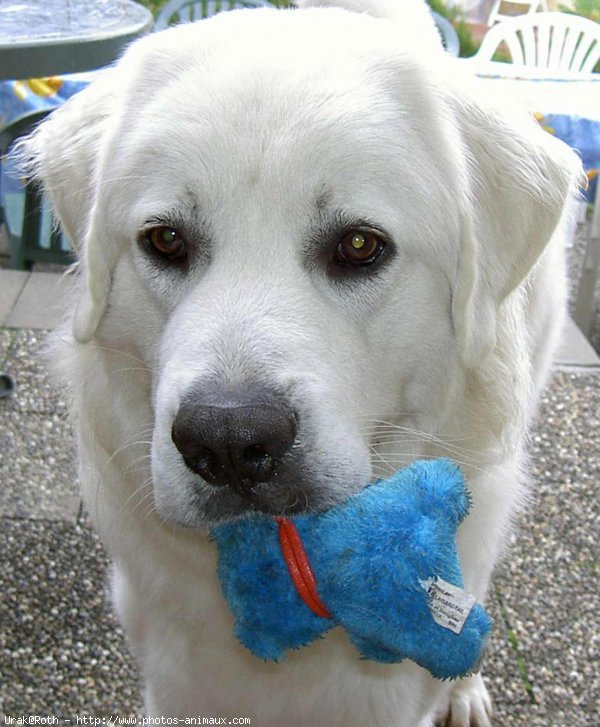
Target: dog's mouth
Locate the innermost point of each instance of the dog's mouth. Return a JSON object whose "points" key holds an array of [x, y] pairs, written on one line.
{"points": [[211, 505], [219, 504]]}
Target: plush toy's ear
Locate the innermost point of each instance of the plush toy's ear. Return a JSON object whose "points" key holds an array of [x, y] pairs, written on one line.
{"points": [[521, 180], [63, 153]]}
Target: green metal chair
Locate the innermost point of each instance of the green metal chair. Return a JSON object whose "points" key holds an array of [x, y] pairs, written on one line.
{"points": [[26, 218], [185, 11]]}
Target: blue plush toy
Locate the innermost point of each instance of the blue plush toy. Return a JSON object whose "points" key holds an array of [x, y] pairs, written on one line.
{"points": [[383, 565]]}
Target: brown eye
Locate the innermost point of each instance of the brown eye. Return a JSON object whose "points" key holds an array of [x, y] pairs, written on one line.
{"points": [[167, 242], [359, 247]]}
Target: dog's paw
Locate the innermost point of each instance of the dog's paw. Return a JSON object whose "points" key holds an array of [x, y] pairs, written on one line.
{"points": [[469, 705]]}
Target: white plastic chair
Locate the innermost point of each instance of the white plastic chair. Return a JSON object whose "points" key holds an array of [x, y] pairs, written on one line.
{"points": [[544, 45], [524, 6], [184, 11]]}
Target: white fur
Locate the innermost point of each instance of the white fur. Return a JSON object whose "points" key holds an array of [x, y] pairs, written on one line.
{"points": [[247, 125]]}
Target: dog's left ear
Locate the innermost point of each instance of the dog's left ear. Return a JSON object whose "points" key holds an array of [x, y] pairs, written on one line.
{"points": [[521, 183], [64, 154]]}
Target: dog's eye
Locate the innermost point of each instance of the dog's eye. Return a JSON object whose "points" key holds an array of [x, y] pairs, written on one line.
{"points": [[359, 247], [166, 241]]}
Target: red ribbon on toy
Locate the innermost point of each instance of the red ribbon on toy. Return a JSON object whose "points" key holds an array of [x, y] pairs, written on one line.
{"points": [[298, 567]]}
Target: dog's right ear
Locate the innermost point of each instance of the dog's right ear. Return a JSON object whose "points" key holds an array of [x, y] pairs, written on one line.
{"points": [[63, 155]]}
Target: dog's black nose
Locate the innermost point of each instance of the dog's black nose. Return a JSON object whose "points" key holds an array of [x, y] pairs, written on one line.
{"points": [[234, 437]]}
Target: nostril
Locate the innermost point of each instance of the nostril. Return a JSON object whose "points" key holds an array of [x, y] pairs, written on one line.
{"points": [[255, 453], [257, 464], [206, 453], [208, 458], [205, 462]]}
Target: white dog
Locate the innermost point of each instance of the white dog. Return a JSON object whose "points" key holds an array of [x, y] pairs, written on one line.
{"points": [[308, 257]]}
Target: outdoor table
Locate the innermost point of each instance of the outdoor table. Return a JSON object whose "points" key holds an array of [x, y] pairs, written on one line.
{"points": [[579, 96], [49, 37]]}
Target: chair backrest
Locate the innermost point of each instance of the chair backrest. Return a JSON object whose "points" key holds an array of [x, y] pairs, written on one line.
{"points": [[522, 6], [555, 43], [184, 11]]}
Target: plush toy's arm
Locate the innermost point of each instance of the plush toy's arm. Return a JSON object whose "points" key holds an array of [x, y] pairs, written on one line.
{"points": [[445, 654], [433, 486], [382, 547]]}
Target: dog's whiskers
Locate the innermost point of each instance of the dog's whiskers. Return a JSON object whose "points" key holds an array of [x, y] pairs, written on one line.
{"points": [[130, 368], [451, 450], [146, 458], [385, 433], [143, 488], [390, 427], [110, 349], [132, 442], [403, 457], [378, 454]]}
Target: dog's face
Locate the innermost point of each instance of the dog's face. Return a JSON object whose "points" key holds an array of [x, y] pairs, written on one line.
{"points": [[303, 237]]}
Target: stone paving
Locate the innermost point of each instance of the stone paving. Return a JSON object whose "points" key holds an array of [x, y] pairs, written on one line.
{"points": [[62, 653]]}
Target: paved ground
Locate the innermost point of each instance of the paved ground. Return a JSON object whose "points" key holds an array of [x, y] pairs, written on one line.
{"points": [[61, 652]]}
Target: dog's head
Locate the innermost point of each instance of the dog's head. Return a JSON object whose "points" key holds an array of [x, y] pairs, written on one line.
{"points": [[304, 231]]}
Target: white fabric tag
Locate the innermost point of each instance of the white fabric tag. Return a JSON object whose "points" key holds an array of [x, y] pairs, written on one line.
{"points": [[450, 605]]}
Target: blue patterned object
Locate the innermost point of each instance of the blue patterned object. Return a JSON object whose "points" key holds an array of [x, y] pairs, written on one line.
{"points": [[19, 99], [581, 134], [386, 569]]}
